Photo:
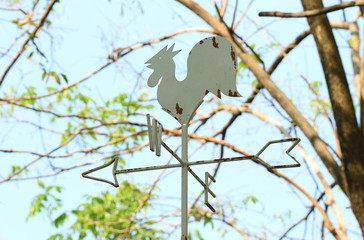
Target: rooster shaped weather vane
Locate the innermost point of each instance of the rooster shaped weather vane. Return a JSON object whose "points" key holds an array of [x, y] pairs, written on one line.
{"points": [[211, 65], [211, 68]]}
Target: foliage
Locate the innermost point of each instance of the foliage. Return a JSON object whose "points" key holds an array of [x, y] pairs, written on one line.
{"points": [[106, 216]]}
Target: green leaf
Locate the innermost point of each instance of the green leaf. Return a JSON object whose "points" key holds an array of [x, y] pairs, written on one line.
{"points": [[64, 77], [250, 199], [40, 183], [44, 74], [60, 220], [55, 76], [30, 55]]}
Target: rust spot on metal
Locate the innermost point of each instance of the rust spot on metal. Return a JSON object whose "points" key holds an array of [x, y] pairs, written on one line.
{"points": [[206, 92], [167, 110], [218, 93], [214, 43], [201, 41], [232, 53], [231, 94], [179, 109]]}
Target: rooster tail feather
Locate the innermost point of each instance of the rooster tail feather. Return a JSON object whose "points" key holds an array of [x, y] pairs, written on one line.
{"points": [[212, 66]]}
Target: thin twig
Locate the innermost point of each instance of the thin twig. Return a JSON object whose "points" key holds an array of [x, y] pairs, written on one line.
{"points": [[30, 36], [242, 15]]}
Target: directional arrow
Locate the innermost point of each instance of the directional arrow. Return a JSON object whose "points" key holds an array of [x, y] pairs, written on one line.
{"points": [[115, 160], [201, 162]]}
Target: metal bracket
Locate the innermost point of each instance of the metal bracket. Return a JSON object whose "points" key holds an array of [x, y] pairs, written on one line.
{"points": [[207, 190], [155, 135]]}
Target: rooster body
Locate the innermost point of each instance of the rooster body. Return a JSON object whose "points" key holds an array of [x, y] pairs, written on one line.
{"points": [[211, 67]]}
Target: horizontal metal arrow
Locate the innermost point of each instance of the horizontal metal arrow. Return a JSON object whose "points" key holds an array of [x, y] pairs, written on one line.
{"points": [[115, 160], [200, 162]]}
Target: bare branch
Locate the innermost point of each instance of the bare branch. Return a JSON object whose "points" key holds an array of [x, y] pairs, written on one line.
{"points": [[234, 14], [223, 8], [361, 87], [264, 78], [229, 221], [314, 166], [120, 52], [242, 15], [30, 36], [315, 12], [306, 216]]}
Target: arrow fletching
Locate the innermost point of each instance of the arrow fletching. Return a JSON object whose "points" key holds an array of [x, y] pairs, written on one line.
{"points": [[295, 142]]}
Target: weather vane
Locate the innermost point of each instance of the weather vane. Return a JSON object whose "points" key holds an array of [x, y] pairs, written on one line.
{"points": [[211, 65]]}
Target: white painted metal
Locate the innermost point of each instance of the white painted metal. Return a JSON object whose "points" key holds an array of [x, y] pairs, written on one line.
{"points": [[155, 135], [150, 134], [159, 141], [184, 186], [207, 176], [211, 67]]}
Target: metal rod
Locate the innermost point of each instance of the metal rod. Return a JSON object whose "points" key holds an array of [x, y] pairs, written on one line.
{"points": [[159, 141], [154, 135], [142, 169], [151, 144], [184, 186], [172, 152], [200, 181], [218, 160], [207, 189], [180, 165]]}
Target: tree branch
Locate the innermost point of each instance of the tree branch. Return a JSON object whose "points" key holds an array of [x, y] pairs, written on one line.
{"points": [[315, 12], [119, 53], [314, 166], [264, 78], [349, 133], [30, 36], [307, 215]]}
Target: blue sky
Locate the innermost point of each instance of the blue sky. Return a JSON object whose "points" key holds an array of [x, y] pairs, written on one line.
{"points": [[83, 34]]}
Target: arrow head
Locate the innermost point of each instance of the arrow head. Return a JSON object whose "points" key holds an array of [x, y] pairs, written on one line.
{"points": [[115, 160]]}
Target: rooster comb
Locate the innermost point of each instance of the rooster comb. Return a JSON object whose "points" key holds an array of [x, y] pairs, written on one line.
{"points": [[169, 51]]}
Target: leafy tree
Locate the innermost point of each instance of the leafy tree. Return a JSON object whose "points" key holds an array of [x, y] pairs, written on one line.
{"points": [[103, 217], [78, 128]]}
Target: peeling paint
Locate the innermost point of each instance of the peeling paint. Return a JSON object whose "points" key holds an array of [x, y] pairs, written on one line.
{"points": [[232, 53], [214, 43], [218, 93], [167, 110], [231, 94], [179, 109]]}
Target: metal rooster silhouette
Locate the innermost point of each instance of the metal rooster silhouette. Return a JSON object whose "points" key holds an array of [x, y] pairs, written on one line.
{"points": [[211, 67]]}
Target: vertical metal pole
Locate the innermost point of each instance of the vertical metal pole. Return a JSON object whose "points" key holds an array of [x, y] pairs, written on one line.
{"points": [[184, 187]]}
